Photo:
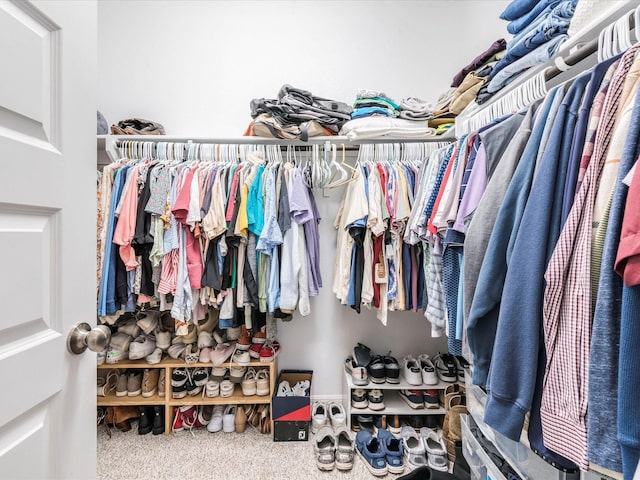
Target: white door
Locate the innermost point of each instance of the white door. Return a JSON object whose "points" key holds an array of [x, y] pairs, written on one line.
{"points": [[47, 237]]}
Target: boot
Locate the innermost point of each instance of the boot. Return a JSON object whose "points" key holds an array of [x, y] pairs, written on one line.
{"points": [[158, 420], [460, 466], [145, 421], [240, 419]]}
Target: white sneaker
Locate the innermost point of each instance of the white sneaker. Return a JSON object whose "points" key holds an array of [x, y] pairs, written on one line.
{"points": [[176, 350], [319, 416], [262, 383], [215, 424], [204, 339], [249, 383], [229, 419], [437, 457], [141, 347], [163, 339], [429, 375], [148, 320], [337, 415], [241, 357], [129, 327], [155, 357], [236, 373], [411, 371]]}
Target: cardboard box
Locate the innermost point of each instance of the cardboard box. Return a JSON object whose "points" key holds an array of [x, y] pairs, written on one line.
{"points": [[290, 431], [291, 415]]}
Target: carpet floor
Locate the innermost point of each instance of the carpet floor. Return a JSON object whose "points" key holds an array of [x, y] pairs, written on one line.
{"points": [[203, 455]]}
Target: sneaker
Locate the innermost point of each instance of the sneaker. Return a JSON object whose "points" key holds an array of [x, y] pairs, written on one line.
{"points": [[176, 350], [134, 383], [436, 450], [155, 357], [233, 333], [218, 373], [222, 352], [391, 369], [359, 398], [204, 339], [148, 320], [180, 391], [431, 399], [254, 350], [220, 336], [101, 357], [205, 355], [191, 354], [129, 327], [244, 342], [262, 382], [150, 382], [178, 377], [445, 367], [121, 386], [115, 355], [229, 419], [376, 369], [200, 376], [379, 422], [411, 371], [284, 389], [249, 386], [189, 415], [394, 425], [141, 347], [365, 422], [324, 446], [394, 451], [163, 339], [192, 388], [107, 384], [236, 373], [414, 451], [376, 400], [269, 351], [177, 425], [215, 425], [259, 337], [212, 388], [161, 383], [461, 366], [227, 388], [319, 418], [413, 398], [190, 337], [204, 415], [359, 375], [429, 376], [372, 453], [241, 357], [337, 415], [344, 449]]}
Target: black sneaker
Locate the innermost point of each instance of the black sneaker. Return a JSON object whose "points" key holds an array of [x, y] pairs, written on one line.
{"points": [[180, 391], [359, 398], [178, 377], [446, 367], [376, 400], [144, 422], [376, 369], [158, 420], [365, 422], [192, 388], [431, 399], [391, 369], [200, 376]]}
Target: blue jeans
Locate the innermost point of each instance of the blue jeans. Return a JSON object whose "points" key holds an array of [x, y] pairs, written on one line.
{"points": [[540, 10], [540, 55], [561, 12], [517, 8]]}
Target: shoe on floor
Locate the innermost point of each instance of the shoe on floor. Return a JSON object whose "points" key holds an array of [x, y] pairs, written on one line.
{"points": [[319, 416], [325, 448], [229, 419], [414, 451], [393, 449], [344, 449], [426, 473], [372, 453], [215, 424], [157, 424], [145, 421], [177, 425], [337, 415], [437, 457]]}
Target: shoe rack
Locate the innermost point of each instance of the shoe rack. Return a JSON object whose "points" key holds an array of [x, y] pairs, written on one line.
{"points": [[171, 403], [394, 404]]}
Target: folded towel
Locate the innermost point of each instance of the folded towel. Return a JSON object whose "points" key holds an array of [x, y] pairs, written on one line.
{"points": [[371, 127], [364, 93]]}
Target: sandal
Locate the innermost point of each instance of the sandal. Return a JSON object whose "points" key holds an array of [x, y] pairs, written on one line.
{"points": [[265, 420]]}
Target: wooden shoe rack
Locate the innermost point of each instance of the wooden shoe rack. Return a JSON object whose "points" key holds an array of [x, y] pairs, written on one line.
{"points": [[171, 403]]}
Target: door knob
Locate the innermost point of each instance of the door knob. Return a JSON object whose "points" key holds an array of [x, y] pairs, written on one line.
{"points": [[82, 336]]}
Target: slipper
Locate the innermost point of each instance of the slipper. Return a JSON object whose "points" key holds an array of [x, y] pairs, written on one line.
{"points": [[361, 355]]}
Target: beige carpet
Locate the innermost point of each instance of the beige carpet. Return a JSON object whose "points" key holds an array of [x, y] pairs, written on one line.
{"points": [[208, 456]]}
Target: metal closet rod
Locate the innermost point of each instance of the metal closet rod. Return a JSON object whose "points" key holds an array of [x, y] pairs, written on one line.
{"points": [[337, 140], [583, 52]]}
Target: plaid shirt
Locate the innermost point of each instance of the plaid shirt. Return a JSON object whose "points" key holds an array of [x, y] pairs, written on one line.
{"points": [[567, 301]]}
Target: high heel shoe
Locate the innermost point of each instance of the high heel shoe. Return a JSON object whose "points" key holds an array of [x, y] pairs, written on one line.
{"points": [[255, 419], [251, 411]]}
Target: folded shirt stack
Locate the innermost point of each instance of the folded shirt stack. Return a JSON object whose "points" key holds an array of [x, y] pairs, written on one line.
{"points": [[412, 108], [295, 111], [369, 103]]}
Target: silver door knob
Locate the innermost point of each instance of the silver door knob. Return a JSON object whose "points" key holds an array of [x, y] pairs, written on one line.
{"points": [[82, 336]]}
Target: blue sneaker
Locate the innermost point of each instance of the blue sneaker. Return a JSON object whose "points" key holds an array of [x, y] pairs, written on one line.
{"points": [[393, 449], [372, 452]]}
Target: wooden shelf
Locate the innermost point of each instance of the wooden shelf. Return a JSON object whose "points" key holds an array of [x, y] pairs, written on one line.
{"points": [[171, 363], [113, 401], [236, 399]]}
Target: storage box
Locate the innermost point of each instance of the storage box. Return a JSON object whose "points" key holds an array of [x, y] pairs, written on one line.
{"points": [[290, 431], [291, 415]]}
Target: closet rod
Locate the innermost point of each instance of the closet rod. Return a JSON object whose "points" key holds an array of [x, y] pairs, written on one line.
{"points": [[583, 52], [338, 140]]}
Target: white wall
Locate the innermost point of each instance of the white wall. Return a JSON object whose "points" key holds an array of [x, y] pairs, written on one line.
{"points": [[194, 67]]}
